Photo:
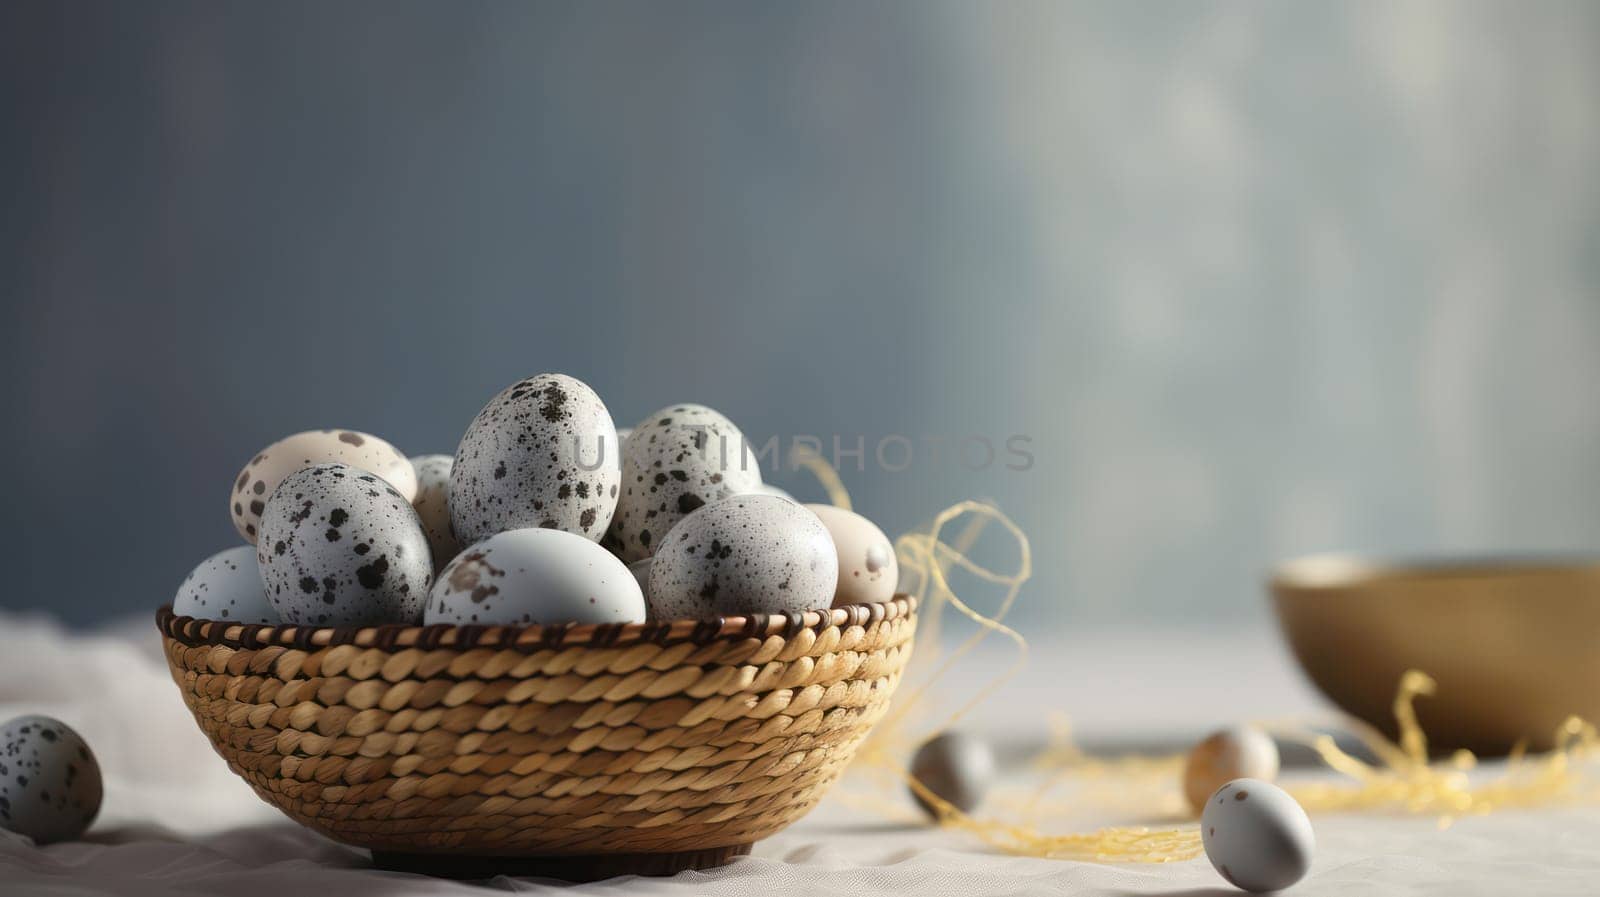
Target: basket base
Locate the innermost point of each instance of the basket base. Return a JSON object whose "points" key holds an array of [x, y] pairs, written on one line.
{"points": [[588, 867]]}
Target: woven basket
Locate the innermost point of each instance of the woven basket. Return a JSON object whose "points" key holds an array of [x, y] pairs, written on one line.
{"points": [[578, 751]]}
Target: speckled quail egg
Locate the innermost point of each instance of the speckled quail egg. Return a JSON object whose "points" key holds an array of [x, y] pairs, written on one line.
{"points": [[868, 570], [1242, 752], [433, 505], [1257, 836], [50, 785], [542, 453], [746, 554], [535, 576], [268, 468], [226, 586], [341, 547], [676, 460], [958, 769]]}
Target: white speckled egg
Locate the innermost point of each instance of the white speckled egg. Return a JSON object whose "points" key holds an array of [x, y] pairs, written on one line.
{"points": [[676, 460], [1257, 836], [542, 453], [226, 586], [1242, 752], [868, 570], [535, 576], [341, 547], [958, 768], [50, 785], [433, 506], [267, 469], [746, 554]]}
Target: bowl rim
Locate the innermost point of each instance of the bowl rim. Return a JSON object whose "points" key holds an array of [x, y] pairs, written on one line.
{"points": [[195, 632], [1339, 571]]}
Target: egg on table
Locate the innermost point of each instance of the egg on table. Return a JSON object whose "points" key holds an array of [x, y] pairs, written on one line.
{"points": [[533, 457], [1241, 752], [1257, 836], [432, 505], [676, 460], [868, 570], [50, 786], [958, 769], [226, 586], [266, 470], [746, 554], [341, 547], [535, 576]]}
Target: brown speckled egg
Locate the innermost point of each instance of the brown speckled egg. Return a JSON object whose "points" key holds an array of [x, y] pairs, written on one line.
{"points": [[341, 547], [747, 554], [674, 461], [268, 468], [226, 586], [50, 785], [1241, 752], [541, 454], [433, 506], [868, 570]]}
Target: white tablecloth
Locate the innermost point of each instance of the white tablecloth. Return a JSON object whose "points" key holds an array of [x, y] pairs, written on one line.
{"points": [[176, 821]]}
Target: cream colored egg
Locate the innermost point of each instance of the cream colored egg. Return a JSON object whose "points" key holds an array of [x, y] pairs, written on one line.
{"points": [[868, 571], [1242, 752], [255, 484], [433, 506]]}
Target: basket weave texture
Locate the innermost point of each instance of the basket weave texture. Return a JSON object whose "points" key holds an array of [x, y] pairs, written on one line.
{"points": [[537, 741]]}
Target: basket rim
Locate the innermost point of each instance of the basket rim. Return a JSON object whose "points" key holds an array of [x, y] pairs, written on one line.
{"points": [[195, 632]]}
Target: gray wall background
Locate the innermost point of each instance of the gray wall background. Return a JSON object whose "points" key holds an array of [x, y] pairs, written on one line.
{"points": [[1257, 279]]}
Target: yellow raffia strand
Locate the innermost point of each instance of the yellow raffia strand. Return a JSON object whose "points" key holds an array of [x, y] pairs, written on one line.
{"points": [[926, 558], [1401, 780], [1404, 780], [1134, 783]]}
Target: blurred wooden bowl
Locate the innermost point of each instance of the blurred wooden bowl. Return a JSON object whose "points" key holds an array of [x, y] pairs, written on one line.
{"points": [[1513, 645]]}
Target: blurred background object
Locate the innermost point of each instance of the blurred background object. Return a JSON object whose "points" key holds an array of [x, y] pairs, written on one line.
{"points": [[1252, 279], [1507, 648]]}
